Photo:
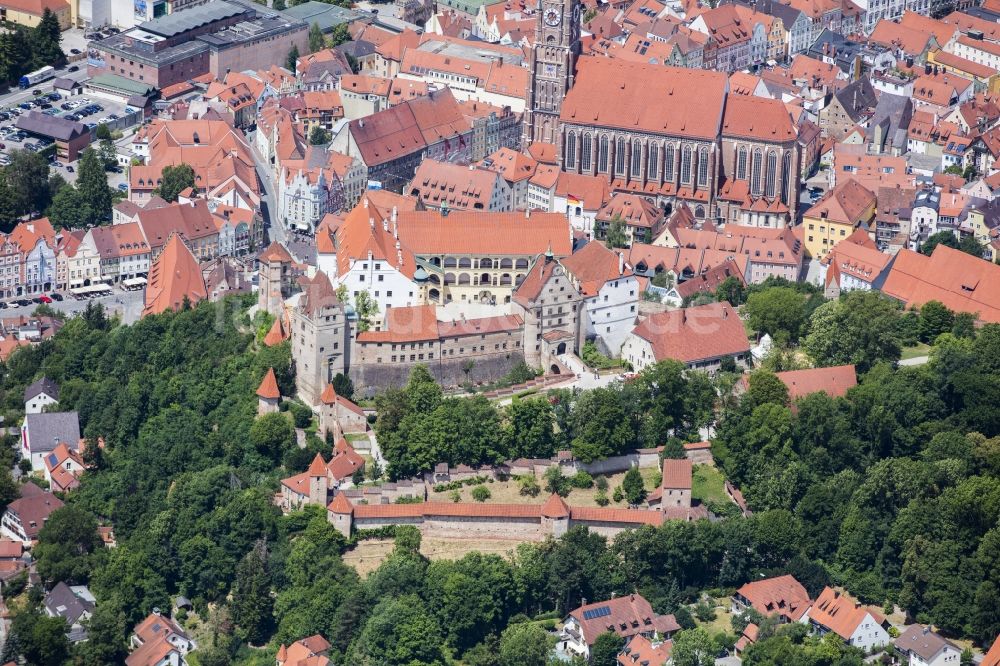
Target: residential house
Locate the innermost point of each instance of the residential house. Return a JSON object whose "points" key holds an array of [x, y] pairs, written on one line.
{"points": [[37, 241], [853, 265], [781, 597], [642, 221], [834, 217], [699, 337], [191, 220], [626, 616], [921, 646], [40, 394], [122, 252], [310, 651], [516, 169], [25, 516], [852, 105], [859, 626], [610, 291], [444, 186], [63, 467], [159, 641], [74, 604], [42, 433], [642, 651]]}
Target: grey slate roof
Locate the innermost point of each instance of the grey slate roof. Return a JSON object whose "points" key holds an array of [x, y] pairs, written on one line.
{"points": [[171, 25], [47, 430], [51, 126], [61, 602], [43, 385], [923, 642]]}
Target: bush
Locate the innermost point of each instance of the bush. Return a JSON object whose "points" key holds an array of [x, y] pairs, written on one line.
{"points": [[704, 610], [618, 495], [582, 480], [596, 359], [601, 482], [529, 485], [301, 415], [456, 496], [481, 493], [601, 498], [555, 482]]}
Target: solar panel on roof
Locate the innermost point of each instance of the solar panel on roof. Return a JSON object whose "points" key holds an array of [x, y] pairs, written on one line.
{"points": [[53, 460], [594, 613]]}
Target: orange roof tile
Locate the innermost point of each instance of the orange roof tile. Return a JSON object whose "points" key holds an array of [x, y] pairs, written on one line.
{"points": [[847, 203], [555, 507], [317, 467], [593, 265], [174, 276], [277, 333], [695, 334], [269, 386], [758, 118], [834, 381], [677, 473], [992, 657], [640, 97], [781, 595], [275, 252], [839, 613], [341, 504]]}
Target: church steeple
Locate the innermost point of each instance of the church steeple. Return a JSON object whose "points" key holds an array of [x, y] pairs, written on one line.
{"points": [[553, 61]]}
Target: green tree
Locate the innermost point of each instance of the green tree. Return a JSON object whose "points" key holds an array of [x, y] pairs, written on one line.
{"points": [[92, 185], [694, 647], [340, 35], [39, 639], [399, 632], [480, 493], [365, 307], [970, 245], [525, 644], [733, 290], [291, 61], [28, 178], [939, 238], [68, 209], [555, 481], [45, 38], [107, 633], [528, 428], [174, 180], [316, 40], [778, 311], [935, 319], [271, 435], [278, 4], [251, 604], [600, 426], [67, 546], [604, 651], [862, 328], [319, 136], [633, 487], [616, 236]]}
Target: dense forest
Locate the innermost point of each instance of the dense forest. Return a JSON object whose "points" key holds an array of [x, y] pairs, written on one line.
{"points": [[891, 491]]}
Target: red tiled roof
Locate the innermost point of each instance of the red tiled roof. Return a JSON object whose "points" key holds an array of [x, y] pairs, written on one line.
{"points": [[555, 507], [992, 657], [275, 252], [839, 613], [639, 650], [174, 276], [677, 474], [593, 265], [269, 386], [651, 98], [781, 595], [342, 505], [960, 281], [834, 381], [758, 118], [695, 334], [625, 615], [846, 203]]}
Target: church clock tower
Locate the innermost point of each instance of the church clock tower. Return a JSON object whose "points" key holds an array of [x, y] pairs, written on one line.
{"points": [[553, 61]]}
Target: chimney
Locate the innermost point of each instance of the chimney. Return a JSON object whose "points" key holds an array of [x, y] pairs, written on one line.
{"points": [[371, 222], [621, 264], [366, 202]]}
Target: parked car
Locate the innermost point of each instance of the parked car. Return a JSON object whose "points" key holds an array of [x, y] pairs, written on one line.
{"points": [[75, 51], [46, 106], [25, 106], [3, 306], [70, 169], [54, 96], [56, 296], [36, 91], [43, 299], [123, 187], [73, 68]]}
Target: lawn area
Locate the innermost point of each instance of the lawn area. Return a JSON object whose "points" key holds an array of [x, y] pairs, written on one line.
{"points": [[920, 349], [723, 619], [356, 437], [509, 492], [368, 555], [708, 485]]}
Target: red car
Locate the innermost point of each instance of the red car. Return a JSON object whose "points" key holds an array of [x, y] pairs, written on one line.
{"points": [[44, 299]]}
